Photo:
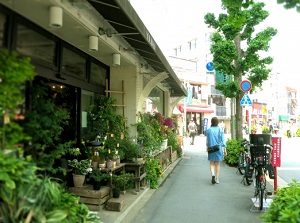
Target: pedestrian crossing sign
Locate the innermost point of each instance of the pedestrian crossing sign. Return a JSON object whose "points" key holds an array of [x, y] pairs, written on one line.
{"points": [[246, 100]]}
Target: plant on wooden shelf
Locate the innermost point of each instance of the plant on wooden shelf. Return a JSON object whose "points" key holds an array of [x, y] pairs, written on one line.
{"points": [[97, 178], [81, 167], [119, 182], [103, 120]]}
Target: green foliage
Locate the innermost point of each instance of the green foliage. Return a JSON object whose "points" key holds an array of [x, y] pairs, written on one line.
{"points": [[289, 4], [173, 142], [119, 181], [253, 128], [26, 196], [129, 148], [14, 72], [98, 175], [298, 132], [233, 148], [265, 129], [44, 124], [154, 172], [104, 120], [285, 207], [81, 167]]}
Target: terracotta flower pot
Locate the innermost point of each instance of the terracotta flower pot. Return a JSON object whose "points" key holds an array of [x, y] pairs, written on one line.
{"points": [[78, 180]]}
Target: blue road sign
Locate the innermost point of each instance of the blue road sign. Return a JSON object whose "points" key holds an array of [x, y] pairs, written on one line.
{"points": [[210, 66], [246, 100]]}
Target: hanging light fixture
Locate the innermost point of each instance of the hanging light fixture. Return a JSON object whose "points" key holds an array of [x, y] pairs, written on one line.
{"points": [[93, 43], [56, 17], [116, 59]]}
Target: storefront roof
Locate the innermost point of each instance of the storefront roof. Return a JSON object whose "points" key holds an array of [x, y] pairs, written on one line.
{"points": [[124, 19]]}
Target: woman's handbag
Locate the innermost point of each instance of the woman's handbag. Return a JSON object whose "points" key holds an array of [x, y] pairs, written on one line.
{"points": [[213, 149]]}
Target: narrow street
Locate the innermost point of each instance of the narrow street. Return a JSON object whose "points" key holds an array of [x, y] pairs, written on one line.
{"points": [[187, 194]]}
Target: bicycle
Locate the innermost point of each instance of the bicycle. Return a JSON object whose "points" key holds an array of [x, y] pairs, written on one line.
{"points": [[244, 162], [261, 162]]}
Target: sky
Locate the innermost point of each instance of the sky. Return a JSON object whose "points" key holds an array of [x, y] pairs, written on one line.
{"points": [[173, 22]]}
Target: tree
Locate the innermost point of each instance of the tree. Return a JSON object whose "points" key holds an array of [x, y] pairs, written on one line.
{"points": [[287, 4], [236, 52]]}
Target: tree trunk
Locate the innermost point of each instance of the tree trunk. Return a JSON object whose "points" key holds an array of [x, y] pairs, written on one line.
{"points": [[239, 117]]}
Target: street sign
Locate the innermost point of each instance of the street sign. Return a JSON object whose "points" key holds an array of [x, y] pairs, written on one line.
{"points": [[245, 85], [276, 151], [210, 66], [189, 99], [222, 78], [246, 100]]}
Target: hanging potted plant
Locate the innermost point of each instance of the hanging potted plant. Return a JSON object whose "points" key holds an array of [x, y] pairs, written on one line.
{"points": [[79, 169]]}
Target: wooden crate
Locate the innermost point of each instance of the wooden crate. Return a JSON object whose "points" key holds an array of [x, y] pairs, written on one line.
{"points": [[92, 198], [115, 204]]}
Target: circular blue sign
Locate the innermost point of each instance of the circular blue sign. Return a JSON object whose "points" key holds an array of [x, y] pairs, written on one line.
{"points": [[245, 85], [210, 66]]}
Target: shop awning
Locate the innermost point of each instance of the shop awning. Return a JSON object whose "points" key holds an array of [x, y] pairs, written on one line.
{"points": [[284, 118], [197, 109], [124, 19]]}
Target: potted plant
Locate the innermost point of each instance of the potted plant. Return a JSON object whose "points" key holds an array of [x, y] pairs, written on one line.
{"points": [[119, 182], [253, 129], [97, 177], [79, 169]]}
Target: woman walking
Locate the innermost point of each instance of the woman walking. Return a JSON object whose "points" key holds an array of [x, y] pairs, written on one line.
{"points": [[215, 136]]}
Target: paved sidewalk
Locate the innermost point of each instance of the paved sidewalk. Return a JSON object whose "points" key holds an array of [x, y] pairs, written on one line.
{"points": [[188, 182]]}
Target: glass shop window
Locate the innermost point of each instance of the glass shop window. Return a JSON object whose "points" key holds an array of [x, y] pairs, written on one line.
{"points": [[73, 64], [98, 74], [33, 44], [154, 102]]}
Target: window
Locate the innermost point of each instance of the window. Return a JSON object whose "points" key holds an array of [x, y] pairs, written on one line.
{"points": [[33, 44], [98, 74], [73, 64]]}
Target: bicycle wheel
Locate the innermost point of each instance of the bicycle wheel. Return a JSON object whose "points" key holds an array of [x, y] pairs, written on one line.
{"points": [[241, 165], [248, 180]]}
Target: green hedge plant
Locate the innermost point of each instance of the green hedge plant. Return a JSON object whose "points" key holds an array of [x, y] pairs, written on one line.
{"points": [[233, 148], [285, 207]]}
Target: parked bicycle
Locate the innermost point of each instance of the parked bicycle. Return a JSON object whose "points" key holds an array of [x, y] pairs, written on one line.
{"points": [[244, 163], [261, 162]]}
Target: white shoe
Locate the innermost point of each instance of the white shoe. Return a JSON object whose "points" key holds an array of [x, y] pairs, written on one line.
{"points": [[217, 181]]}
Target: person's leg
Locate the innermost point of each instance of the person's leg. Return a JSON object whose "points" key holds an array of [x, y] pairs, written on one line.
{"points": [[193, 138], [217, 168], [212, 171]]}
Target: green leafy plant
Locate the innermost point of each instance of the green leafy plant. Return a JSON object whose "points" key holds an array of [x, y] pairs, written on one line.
{"points": [[285, 207], [119, 181], [81, 167], [14, 72], [103, 119], [98, 176], [265, 129], [173, 141], [154, 172], [233, 148], [253, 128], [27, 197]]}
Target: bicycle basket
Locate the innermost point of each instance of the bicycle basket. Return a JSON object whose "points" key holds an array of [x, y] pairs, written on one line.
{"points": [[261, 154]]}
